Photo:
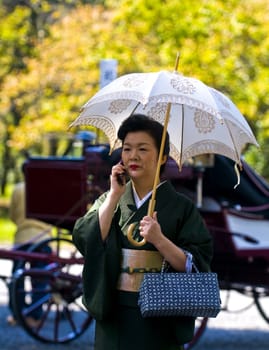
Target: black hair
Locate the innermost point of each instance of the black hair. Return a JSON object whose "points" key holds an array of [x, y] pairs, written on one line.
{"points": [[141, 122]]}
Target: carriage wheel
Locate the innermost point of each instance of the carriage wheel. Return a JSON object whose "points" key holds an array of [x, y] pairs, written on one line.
{"points": [[200, 327], [24, 263], [47, 300], [261, 298]]}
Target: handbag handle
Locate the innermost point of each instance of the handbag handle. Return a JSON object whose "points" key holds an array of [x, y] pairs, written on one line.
{"points": [[165, 265]]}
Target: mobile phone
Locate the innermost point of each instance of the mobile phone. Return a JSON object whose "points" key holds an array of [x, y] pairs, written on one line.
{"points": [[122, 178]]}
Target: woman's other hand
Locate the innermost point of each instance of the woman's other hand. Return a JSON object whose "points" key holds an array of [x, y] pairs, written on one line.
{"points": [[150, 229]]}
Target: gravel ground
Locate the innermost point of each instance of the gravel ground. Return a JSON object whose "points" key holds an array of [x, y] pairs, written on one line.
{"points": [[240, 328]]}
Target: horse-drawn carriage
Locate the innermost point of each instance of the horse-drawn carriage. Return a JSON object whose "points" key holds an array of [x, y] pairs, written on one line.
{"points": [[60, 189]]}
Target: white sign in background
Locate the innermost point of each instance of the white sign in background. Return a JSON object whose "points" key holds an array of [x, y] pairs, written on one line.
{"points": [[108, 70]]}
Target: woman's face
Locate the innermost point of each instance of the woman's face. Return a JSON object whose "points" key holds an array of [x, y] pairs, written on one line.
{"points": [[140, 155]]}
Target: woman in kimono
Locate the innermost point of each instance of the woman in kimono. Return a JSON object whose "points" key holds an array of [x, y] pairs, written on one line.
{"points": [[114, 267]]}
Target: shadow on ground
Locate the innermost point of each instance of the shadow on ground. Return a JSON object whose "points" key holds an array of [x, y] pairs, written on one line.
{"points": [[14, 337]]}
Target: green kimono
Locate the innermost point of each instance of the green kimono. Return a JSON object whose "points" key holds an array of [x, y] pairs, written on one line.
{"points": [[119, 325]]}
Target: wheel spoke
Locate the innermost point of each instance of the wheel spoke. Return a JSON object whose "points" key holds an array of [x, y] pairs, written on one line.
{"points": [[261, 297], [54, 290], [200, 327]]}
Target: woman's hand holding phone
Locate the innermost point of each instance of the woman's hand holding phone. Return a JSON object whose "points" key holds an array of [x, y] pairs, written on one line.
{"points": [[118, 178], [122, 177]]}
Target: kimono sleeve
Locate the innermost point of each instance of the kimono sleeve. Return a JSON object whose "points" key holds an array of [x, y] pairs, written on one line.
{"points": [[101, 263], [195, 238]]}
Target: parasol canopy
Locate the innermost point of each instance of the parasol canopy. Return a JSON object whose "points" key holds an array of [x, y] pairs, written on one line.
{"points": [[199, 119]]}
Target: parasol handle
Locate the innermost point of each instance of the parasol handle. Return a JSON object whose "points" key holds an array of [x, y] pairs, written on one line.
{"points": [[156, 180], [132, 240], [132, 226], [157, 174]]}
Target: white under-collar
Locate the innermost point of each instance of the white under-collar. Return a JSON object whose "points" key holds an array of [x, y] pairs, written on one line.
{"points": [[139, 202]]}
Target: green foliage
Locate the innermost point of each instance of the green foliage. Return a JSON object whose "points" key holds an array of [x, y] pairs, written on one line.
{"points": [[7, 231], [7, 227], [60, 45], [15, 30]]}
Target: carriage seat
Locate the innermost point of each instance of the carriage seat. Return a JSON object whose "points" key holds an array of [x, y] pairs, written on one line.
{"points": [[252, 227]]}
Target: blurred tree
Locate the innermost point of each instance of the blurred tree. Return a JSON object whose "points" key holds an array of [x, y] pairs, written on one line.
{"points": [[225, 44], [16, 44], [23, 26]]}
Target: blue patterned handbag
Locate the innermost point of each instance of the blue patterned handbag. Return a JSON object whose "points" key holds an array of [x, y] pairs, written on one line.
{"points": [[194, 294]]}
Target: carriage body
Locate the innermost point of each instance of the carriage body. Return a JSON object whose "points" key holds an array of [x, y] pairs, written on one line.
{"points": [[60, 189]]}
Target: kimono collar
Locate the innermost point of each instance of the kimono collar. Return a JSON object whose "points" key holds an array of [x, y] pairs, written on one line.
{"points": [[139, 202]]}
